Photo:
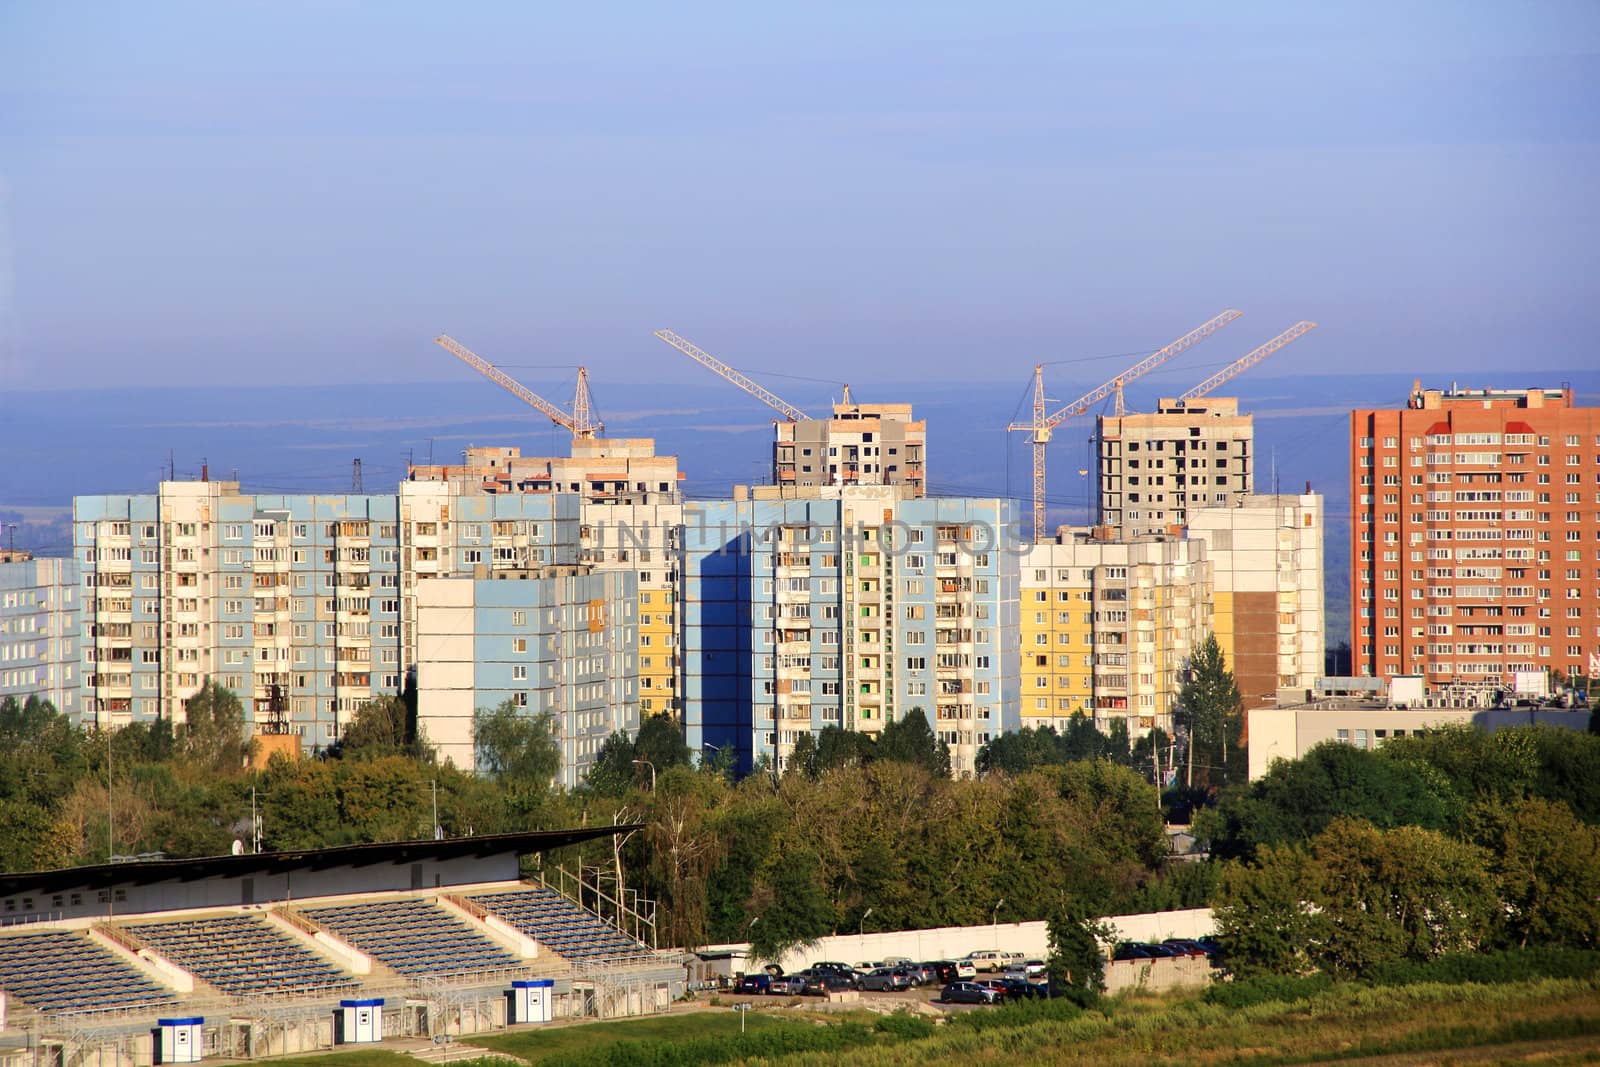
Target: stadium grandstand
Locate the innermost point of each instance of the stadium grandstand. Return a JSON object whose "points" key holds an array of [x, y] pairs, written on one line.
{"points": [[264, 954]]}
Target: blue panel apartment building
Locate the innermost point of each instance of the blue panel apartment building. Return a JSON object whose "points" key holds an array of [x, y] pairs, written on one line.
{"points": [[562, 640], [39, 632], [847, 607]]}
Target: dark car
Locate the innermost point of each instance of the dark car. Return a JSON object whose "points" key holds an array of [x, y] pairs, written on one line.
{"points": [[967, 993], [755, 983], [1021, 990], [1132, 950], [820, 981], [944, 971], [1185, 946]]}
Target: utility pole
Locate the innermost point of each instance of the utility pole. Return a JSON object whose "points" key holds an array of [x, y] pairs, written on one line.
{"points": [[438, 831]]}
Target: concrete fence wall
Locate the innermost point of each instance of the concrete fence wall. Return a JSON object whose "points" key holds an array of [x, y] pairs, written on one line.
{"points": [[952, 942]]}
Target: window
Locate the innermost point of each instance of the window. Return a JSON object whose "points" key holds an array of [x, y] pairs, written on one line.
{"points": [[519, 645]]}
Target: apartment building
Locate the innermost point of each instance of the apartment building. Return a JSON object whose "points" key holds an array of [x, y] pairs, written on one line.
{"points": [[1155, 468], [39, 631], [1108, 627], [301, 605], [561, 640], [631, 512], [1475, 540], [847, 607], [1267, 589], [643, 540], [862, 444], [601, 470]]}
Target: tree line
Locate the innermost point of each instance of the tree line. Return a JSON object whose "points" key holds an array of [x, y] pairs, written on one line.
{"points": [[1341, 861]]}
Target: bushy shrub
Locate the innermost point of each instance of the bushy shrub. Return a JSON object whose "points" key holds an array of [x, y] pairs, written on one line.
{"points": [[905, 1026], [1262, 989], [1018, 1013], [1492, 968]]}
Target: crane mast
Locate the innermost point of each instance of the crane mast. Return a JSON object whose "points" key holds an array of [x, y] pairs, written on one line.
{"points": [[706, 359], [581, 421], [1043, 426], [1245, 362]]}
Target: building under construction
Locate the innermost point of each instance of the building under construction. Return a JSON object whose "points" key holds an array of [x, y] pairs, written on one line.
{"points": [[1154, 467], [859, 444]]}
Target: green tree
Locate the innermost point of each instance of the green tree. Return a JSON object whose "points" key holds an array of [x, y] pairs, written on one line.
{"points": [[1266, 914], [1019, 751], [613, 772], [1297, 799], [803, 757], [213, 734], [382, 727], [838, 747], [660, 740], [1077, 961], [790, 906], [1547, 864], [1210, 711], [516, 748], [910, 740], [1402, 894]]}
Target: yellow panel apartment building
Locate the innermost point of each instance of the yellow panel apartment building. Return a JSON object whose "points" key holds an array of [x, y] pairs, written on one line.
{"points": [[1107, 627]]}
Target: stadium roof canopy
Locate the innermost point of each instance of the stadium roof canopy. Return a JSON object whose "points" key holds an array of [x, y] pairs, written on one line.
{"points": [[149, 872]]}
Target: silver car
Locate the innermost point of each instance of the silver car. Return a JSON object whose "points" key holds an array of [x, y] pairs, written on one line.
{"points": [[886, 980]]}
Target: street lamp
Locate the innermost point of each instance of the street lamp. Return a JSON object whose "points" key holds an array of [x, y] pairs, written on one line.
{"points": [[862, 929], [652, 766], [994, 921]]}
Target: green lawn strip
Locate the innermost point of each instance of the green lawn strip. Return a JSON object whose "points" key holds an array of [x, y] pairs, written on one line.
{"points": [[1341, 1024], [707, 1034], [362, 1058]]}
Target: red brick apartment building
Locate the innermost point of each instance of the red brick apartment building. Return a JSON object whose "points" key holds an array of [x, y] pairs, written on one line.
{"points": [[1475, 535]]}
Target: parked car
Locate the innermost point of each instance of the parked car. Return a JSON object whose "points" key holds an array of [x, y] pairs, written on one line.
{"points": [[821, 981], [967, 993], [1022, 990], [984, 960], [897, 961], [922, 973], [755, 983], [1185, 946], [787, 985], [1132, 950], [1026, 970], [965, 970], [944, 971], [996, 984], [837, 968], [1008, 958], [886, 980]]}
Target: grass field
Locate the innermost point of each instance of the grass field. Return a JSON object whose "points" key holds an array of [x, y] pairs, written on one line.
{"points": [[594, 1038], [1545, 1021]]}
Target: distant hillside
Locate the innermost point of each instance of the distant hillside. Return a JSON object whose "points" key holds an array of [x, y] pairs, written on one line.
{"points": [[303, 438]]}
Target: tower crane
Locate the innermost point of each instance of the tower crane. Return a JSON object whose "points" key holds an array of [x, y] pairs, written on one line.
{"points": [[789, 412], [580, 421], [1043, 425], [1245, 362]]}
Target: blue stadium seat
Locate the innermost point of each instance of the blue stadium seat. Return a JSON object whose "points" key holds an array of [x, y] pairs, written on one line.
{"points": [[65, 971]]}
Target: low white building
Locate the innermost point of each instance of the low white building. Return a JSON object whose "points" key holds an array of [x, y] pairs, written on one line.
{"points": [[1366, 712]]}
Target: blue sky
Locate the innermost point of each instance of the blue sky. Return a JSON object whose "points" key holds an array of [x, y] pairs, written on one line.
{"points": [[274, 193]]}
